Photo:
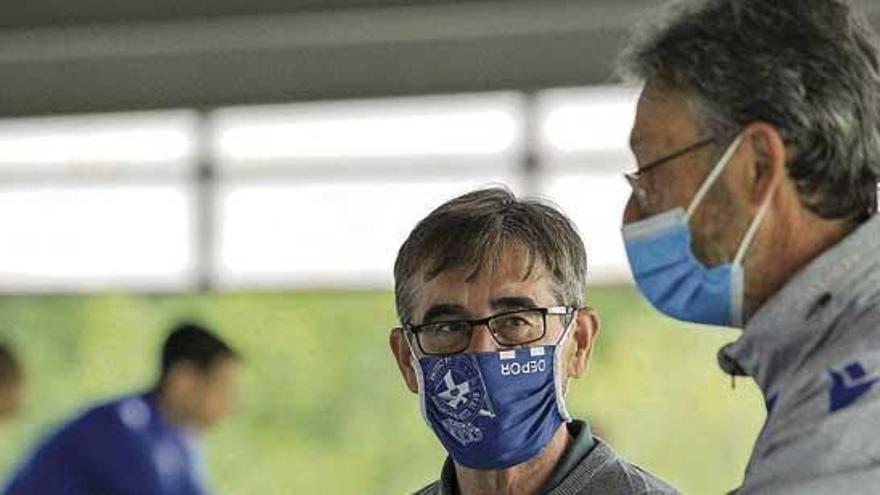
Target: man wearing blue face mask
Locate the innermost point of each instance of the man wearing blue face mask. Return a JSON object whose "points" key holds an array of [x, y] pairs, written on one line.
{"points": [[754, 205], [490, 294]]}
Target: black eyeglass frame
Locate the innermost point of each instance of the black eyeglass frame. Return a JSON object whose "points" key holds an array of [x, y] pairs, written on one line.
{"points": [[566, 311], [633, 177], [668, 158]]}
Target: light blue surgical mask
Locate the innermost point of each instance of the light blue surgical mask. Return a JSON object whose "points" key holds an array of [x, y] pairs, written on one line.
{"points": [[671, 277], [494, 410]]}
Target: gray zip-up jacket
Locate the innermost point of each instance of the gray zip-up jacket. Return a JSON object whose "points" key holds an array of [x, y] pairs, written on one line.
{"points": [[814, 350]]}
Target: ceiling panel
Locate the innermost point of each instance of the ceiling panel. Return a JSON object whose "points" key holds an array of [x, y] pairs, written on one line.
{"points": [[204, 55]]}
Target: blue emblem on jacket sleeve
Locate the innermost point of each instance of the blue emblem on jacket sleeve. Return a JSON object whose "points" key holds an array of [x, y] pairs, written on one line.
{"points": [[848, 384]]}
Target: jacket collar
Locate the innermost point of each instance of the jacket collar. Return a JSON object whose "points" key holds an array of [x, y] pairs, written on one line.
{"points": [[777, 337]]}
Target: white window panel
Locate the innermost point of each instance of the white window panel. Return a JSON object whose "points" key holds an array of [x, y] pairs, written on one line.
{"points": [[480, 125], [95, 237], [601, 163], [595, 203], [101, 142], [584, 120], [334, 234]]}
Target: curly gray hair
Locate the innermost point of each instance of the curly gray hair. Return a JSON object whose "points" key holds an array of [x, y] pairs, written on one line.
{"points": [[808, 67]]}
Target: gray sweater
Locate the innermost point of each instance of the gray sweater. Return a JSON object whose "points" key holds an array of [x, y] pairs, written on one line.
{"points": [[599, 472]]}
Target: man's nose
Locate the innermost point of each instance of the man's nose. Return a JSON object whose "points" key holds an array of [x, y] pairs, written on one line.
{"points": [[481, 340]]}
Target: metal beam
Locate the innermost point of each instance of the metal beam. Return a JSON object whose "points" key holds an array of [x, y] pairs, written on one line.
{"points": [[352, 53], [336, 54]]}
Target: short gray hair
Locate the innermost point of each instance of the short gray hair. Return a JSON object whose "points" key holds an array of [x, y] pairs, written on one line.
{"points": [[808, 67], [472, 230]]}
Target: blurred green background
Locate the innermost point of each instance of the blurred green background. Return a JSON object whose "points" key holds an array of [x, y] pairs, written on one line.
{"points": [[324, 410]]}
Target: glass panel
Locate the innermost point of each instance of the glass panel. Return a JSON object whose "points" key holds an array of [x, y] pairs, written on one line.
{"points": [[595, 203], [94, 237], [88, 143], [596, 119], [482, 125], [324, 233]]}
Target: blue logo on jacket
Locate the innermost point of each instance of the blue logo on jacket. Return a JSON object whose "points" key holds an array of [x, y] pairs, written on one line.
{"points": [[848, 384]]}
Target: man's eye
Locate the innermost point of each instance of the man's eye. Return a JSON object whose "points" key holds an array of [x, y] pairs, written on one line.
{"points": [[449, 327], [515, 321]]}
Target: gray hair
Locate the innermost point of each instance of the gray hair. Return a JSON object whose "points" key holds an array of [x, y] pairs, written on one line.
{"points": [[472, 230], [808, 67]]}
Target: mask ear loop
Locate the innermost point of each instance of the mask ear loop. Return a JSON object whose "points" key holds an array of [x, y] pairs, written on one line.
{"points": [[420, 376], [567, 330], [713, 176], [753, 229], [737, 318], [560, 380]]}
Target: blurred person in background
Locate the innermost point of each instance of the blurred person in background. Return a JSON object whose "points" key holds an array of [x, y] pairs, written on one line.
{"points": [[757, 136], [144, 443], [490, 294], [12, 383]]}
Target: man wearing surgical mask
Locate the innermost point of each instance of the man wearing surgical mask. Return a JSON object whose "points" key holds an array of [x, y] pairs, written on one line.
{"points": [[490, 294], [757, 138]]}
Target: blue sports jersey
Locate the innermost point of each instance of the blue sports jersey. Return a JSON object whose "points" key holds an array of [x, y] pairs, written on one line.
{"points": [[123, 447]]}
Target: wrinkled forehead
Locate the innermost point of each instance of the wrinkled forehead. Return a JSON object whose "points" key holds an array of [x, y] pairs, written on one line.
{"points": [[509, 259], [512, 271], [665, 116]]}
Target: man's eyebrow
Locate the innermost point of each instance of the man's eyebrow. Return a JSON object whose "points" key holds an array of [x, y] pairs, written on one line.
{"points": [[514, 302], [444, 309]]}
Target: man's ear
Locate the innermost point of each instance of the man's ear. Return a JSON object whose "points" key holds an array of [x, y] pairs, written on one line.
{"points": [[583, 336], [768, 156], [403, 355]]}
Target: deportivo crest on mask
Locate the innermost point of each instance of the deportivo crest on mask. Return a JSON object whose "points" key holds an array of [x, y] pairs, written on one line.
{"points": [[493, 410], [460, 394]]}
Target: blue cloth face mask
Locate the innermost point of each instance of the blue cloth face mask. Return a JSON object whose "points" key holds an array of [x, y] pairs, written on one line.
{"points": [[671, 277], [493, 410]]}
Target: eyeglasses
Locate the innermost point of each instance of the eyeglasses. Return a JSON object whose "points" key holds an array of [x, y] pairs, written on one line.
{"points": [[511, 328], [633, 177]]}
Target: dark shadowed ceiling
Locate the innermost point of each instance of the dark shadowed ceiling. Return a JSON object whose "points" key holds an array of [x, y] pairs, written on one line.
{"points": [[60, 56]]}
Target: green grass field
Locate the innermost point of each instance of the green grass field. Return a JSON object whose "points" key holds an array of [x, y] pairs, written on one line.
{"points": [[324, 410]]}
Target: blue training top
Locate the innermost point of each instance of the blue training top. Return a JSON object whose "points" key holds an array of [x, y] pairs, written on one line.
{"points": [[123, 447]]}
